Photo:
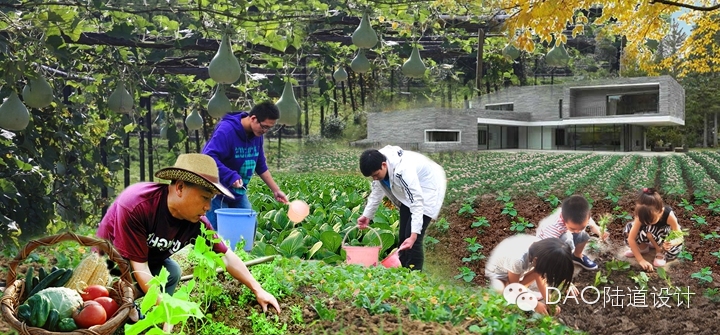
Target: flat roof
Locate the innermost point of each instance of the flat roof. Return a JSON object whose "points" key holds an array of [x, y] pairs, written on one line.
{"points": [[645, 120]]}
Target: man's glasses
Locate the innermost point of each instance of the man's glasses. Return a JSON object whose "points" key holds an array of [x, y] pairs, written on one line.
{"points": [[264, 127]]}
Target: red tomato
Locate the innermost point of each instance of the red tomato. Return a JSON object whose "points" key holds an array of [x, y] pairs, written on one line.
{"points": [[94, 291], [90, 314], [108, 304]]}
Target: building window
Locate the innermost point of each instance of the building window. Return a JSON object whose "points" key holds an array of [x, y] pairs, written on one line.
{"points": [[500, 107], [452, 136], [633, 103], [482, 137]]}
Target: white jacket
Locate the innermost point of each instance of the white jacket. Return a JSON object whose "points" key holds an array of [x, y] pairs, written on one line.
{"points": [[415, 181]]}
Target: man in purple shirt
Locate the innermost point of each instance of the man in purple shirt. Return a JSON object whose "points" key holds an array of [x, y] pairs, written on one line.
{"points": [[148, 222], [237, 147]]}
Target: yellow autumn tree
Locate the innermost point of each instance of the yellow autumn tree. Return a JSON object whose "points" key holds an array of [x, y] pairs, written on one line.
{"points": [[639, 22]]}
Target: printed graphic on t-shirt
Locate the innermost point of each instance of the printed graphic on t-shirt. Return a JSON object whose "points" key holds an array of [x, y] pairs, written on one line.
{"points": [[163, 244], [249, 157]]}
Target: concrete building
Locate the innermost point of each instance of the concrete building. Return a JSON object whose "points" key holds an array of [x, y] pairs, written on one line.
{"points": [[603, 115]]}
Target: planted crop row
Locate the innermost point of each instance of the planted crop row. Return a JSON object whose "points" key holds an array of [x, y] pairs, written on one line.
{"points": [[698, 177], [671, 180], [616, 176], [584, 179], [550, 174], [644, 175], [525, 171], [489, 172], [708, 162]]}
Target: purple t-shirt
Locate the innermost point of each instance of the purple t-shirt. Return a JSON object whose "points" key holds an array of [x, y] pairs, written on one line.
{"points": [[141, 228]]}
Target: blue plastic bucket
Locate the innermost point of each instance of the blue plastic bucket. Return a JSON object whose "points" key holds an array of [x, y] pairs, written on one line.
{"points": [[235, 224]]}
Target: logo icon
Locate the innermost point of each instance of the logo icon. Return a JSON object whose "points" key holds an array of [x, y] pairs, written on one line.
{"points": [[518, 294]]}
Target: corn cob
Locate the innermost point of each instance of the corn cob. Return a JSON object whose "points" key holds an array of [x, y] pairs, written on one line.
{"points": [[83, 273], [101, 275]]}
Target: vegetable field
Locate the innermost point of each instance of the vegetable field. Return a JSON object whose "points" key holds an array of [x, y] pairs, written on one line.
{"points": [[491, 195]]}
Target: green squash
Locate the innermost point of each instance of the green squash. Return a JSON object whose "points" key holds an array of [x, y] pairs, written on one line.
{"points": [[224, 68], [360, 64], [14, 115], [120, 101], [340, 74], [511, 52], [288, 106], [557, 57], [364, 36], [163, 132], [219, 104], [37, 93], [194, 121], [60, 168], [414, 67]]}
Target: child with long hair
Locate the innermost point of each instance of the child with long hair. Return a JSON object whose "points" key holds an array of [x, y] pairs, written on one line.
{"points": [[650, 228], [526, 259]]}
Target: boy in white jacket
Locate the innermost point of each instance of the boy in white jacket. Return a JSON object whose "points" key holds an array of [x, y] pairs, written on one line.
{"points": [[415, 184]]}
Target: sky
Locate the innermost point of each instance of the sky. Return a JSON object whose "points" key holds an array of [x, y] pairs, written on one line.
{"points": [[683, 25]]}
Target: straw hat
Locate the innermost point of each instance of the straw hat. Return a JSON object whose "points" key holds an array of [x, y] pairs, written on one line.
{"points": [[199, 169]]}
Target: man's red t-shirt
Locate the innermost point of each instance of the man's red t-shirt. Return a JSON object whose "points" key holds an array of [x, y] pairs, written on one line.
{"points": [[141, 228]]}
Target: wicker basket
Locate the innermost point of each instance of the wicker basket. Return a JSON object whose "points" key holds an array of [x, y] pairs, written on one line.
{"points": [[122, 292]]}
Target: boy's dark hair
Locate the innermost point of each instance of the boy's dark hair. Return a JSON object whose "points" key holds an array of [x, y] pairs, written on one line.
{"points": [[370, 161], [265, 110], [554, 261], [575, 209], [647, 203]]}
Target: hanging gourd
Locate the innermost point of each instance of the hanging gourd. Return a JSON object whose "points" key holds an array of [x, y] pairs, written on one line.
{"points": [[340, 74], [360, 64], [364, 36], [37, 93], [511, 52], [60, 169], [160, 118], [219, 104], [288, 106], [557, 56], [194, 121], [163, 132], [414, 67], [224, 67], [14, 115], [120, 101]]}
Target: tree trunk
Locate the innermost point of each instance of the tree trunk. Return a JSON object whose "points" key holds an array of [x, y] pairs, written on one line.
{"points": [[479, 65], [705, 125], [715, 134]]}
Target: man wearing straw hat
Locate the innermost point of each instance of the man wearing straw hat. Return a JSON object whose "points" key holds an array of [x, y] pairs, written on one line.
{"points": [[148, 222]]}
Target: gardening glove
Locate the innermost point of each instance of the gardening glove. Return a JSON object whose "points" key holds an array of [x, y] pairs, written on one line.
{"points": [[280, 196], [363, 222]]}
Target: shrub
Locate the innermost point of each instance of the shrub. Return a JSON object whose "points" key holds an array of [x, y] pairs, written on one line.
{"points": [[333, 127]]}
